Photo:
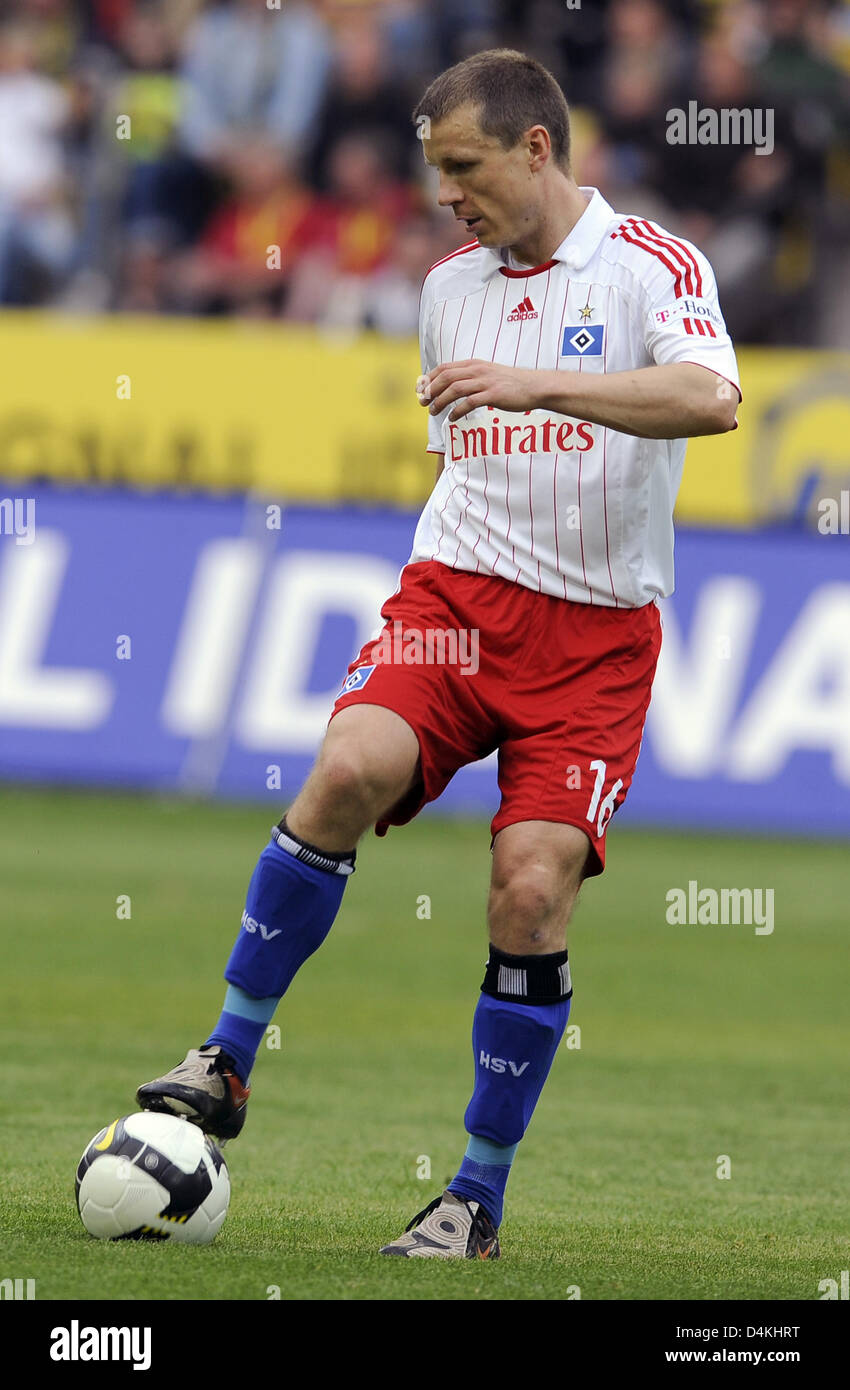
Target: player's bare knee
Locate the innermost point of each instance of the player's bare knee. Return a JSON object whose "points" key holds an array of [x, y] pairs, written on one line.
{"points": [[338, 788], [352, 776], [527, 899]]}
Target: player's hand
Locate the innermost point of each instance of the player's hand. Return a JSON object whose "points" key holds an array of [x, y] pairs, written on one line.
{"points": [[473, 383]]}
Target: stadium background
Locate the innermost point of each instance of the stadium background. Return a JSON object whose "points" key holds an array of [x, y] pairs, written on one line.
{"points": [[214, 221]]}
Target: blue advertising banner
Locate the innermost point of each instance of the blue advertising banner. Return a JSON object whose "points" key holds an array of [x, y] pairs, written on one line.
{"points": [[197, 644]]}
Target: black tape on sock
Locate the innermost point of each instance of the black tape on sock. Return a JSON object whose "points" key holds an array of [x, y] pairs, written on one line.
{"points": [[310, 854], [528, 979]]}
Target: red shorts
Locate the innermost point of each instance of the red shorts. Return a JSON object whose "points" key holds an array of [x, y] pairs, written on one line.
{"points": [[475, 663]]}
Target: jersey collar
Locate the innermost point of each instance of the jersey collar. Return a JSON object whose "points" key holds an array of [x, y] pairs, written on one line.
{"points": [[577, 247]]}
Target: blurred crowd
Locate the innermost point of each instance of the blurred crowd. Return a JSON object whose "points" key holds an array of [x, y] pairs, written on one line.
{"points": [[257, 157]]}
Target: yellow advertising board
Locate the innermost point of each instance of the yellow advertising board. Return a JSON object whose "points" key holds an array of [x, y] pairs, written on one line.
{"points": [[289, 412]]}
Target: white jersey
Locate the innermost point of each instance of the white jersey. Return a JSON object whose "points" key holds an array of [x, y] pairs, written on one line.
{"points": [[559, 504]]}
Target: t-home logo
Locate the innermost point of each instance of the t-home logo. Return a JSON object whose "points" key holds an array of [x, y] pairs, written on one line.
{"points": [[76, 1343]]}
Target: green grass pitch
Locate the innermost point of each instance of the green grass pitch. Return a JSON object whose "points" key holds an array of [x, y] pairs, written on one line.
{"points": [[696, 1042]]}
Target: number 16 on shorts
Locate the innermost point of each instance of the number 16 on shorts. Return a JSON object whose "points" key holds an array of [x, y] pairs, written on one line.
{"points": [[599, 810]]}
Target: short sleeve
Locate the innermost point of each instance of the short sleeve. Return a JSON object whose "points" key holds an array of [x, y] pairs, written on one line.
{"points": [[684, 322], [428, 358]]}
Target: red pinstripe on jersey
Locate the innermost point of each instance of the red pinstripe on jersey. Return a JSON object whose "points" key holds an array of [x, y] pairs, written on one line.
{"points": [[557, 456], [462, 516], [440, 356], [580, 527], [486, 475], [440, 337], [639, 225], [536, 362], [644, 245], [605, 451], [454, 345], [474, 345], [452, 489], [457, 325], [655, 233], [470, 246], [508, 460], [461, 251], [480, 317], [673, 255], [542, 317], [684, 255]]}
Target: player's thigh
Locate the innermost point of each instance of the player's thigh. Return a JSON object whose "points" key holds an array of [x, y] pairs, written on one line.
{"points": [[369, 759], [536, 874], [571, 754]]}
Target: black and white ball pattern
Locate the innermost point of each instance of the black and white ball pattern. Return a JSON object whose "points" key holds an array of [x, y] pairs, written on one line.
{"points": [[152, 1177]]}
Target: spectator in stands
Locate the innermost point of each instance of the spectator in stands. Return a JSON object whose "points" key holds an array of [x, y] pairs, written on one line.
{"points": [[723, 196], [362, 98], [253, 242], [798, 76], [163, 194], [36, 232], [351, 232], [236, 104], [390, 301], [251, 68], [160, 196], [56, 27], [644, 59]]}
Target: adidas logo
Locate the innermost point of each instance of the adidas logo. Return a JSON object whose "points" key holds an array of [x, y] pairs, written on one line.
{"points": [[524, 310]]}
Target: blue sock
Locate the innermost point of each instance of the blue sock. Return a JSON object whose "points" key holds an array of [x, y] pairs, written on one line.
{"points": [[241, 1027], [293, 897], [483, 1174], [514, 1045]]}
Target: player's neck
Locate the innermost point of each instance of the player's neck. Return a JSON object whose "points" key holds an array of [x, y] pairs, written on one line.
{"points": [[563, 209]]}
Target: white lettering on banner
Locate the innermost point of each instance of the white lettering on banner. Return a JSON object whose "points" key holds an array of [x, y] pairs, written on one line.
{"points": [[697, 688], [276, 711], [32, 695], [700, 723], [209, 648], [803, 698]]}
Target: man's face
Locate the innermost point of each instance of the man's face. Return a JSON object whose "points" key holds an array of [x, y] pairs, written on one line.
{"points": [[490, 189]]}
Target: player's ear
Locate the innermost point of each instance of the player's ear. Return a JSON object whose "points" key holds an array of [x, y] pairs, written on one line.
{"points": [[538, 142]]}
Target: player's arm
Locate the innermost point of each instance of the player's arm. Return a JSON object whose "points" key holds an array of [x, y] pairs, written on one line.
{"points": [[440, 460], [689, 386], [676, 401]]}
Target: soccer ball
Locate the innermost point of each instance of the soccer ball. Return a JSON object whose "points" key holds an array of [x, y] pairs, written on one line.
{"points": [[152, 1177]]}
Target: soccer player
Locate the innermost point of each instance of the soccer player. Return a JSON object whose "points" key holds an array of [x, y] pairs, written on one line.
{"points": [[568, 351]]}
